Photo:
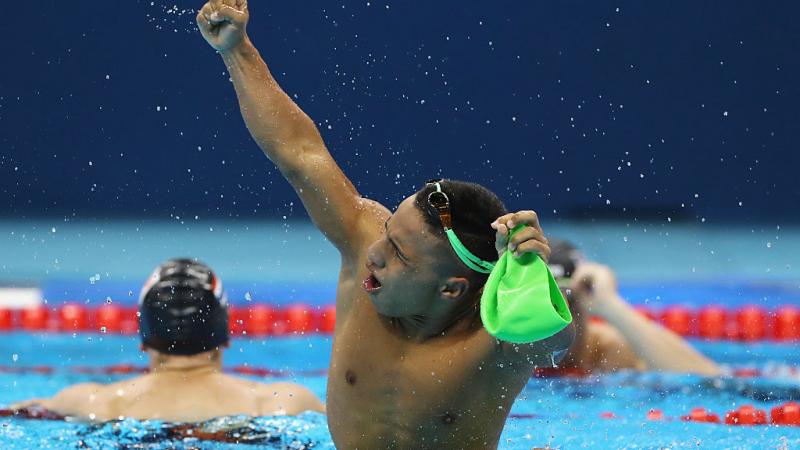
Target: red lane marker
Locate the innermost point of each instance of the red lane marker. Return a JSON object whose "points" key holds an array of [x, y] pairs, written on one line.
{"points": [[34, 318], [327, 319], [786, 414], [73, 317], [711, 322], [746, 415], [786, 323], [108, 319], [678, 319], [752, 322], [299, 318], [259, 320], [5, 319], [701, 415]]}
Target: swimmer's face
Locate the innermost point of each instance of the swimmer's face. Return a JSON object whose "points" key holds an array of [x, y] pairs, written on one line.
{"points": [[412, 271]]}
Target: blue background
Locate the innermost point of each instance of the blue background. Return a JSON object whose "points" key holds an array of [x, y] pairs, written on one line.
{"points": [[634, 110]]}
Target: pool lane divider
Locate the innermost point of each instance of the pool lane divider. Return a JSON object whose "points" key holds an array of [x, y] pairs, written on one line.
{"points": [[787, 414], [712, 322]]}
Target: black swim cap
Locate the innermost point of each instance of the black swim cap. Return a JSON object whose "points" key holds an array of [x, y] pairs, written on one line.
{"points": [[564, 258], [182, 309]]}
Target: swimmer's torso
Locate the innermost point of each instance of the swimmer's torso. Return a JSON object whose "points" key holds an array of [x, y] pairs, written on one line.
{"points": [[387, 392], [178, 398]]}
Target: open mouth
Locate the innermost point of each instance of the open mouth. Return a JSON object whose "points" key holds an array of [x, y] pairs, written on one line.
{"points": [[371, 284]]}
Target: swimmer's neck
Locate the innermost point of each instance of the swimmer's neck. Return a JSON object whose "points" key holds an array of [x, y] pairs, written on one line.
{"points": [[459, 319], [206, 362]]}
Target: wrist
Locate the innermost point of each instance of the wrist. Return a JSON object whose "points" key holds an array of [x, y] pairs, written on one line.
{"points": [[242, 48]]}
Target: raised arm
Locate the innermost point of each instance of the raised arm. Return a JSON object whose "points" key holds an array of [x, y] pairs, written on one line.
{"points": [[659, 348], [284, 132]]}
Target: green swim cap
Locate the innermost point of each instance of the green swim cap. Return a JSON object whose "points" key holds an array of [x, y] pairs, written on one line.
{"points": [[521, 301]]}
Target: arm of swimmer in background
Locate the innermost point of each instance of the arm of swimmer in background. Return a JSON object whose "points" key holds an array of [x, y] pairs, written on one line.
{"points": [[287, 136], [659, 348]]}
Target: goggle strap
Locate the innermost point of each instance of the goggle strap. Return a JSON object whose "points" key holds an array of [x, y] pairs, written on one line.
{"points": [[466, 256]]}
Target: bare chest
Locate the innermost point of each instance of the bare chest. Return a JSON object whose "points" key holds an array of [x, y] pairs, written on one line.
{"points": [[415, 394]]}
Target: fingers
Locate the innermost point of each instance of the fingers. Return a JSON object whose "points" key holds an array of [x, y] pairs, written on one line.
{"points": [[240, 5], [526, 234], [501, 237], [532, 246], [216, 12], [529, 218], [203, 17], [231, 14], [531, 239]]}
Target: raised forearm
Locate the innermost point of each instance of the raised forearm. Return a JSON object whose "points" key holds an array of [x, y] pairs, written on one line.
{"points": [[659, 348], [282, 130]]}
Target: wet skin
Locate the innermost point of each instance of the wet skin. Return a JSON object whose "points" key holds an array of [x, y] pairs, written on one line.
{"points": [[411, 366], [387, 389]]}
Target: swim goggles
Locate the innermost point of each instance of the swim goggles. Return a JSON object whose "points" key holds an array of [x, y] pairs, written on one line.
{"points": [[441, 203]]}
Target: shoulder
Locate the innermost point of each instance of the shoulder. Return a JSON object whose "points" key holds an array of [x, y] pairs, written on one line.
{"points": [[81, 390], [78, 399], [288, 398]]}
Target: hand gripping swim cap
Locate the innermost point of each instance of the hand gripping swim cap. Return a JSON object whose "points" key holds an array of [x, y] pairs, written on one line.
{"points": [[521, 301], [182, 309]]}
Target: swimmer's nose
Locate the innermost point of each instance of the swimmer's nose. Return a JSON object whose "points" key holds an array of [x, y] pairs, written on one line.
{"points": [[374, 260]]}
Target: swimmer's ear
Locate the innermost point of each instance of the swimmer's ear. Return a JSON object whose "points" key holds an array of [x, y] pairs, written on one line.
{"points": [[142, 348], [454, 288]]}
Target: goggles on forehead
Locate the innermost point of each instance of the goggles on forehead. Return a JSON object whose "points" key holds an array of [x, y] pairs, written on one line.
{"points": [[441, 203]]}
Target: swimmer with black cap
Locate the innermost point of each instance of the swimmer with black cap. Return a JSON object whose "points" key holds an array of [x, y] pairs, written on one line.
{"points": [[624, 339], [433, 341], [183, 324]]}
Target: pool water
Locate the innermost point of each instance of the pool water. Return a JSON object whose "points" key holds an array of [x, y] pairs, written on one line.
{"points": [[608, 411]]}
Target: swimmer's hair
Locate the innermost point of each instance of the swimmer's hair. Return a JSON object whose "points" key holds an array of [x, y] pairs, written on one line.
{"points": [[473, 208]]}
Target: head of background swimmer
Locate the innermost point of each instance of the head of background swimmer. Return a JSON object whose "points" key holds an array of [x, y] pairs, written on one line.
{"points": [[564, 259], [414, 271], [183, 310]]}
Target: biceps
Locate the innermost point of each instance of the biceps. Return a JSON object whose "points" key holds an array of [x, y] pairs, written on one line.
{"points": [[333, 203]]}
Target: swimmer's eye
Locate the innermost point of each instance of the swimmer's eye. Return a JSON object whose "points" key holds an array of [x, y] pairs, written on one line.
{"points": [[400, 256]]}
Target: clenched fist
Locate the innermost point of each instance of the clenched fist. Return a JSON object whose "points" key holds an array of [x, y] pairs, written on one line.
{"points": [[223, 22]]}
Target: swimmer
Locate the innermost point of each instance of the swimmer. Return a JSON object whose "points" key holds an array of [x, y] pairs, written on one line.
{"points": [[626, 339], [183, 325], [413, 366]]}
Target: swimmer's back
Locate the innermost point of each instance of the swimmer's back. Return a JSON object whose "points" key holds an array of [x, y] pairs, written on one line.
{"points": [[177, 397]]}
